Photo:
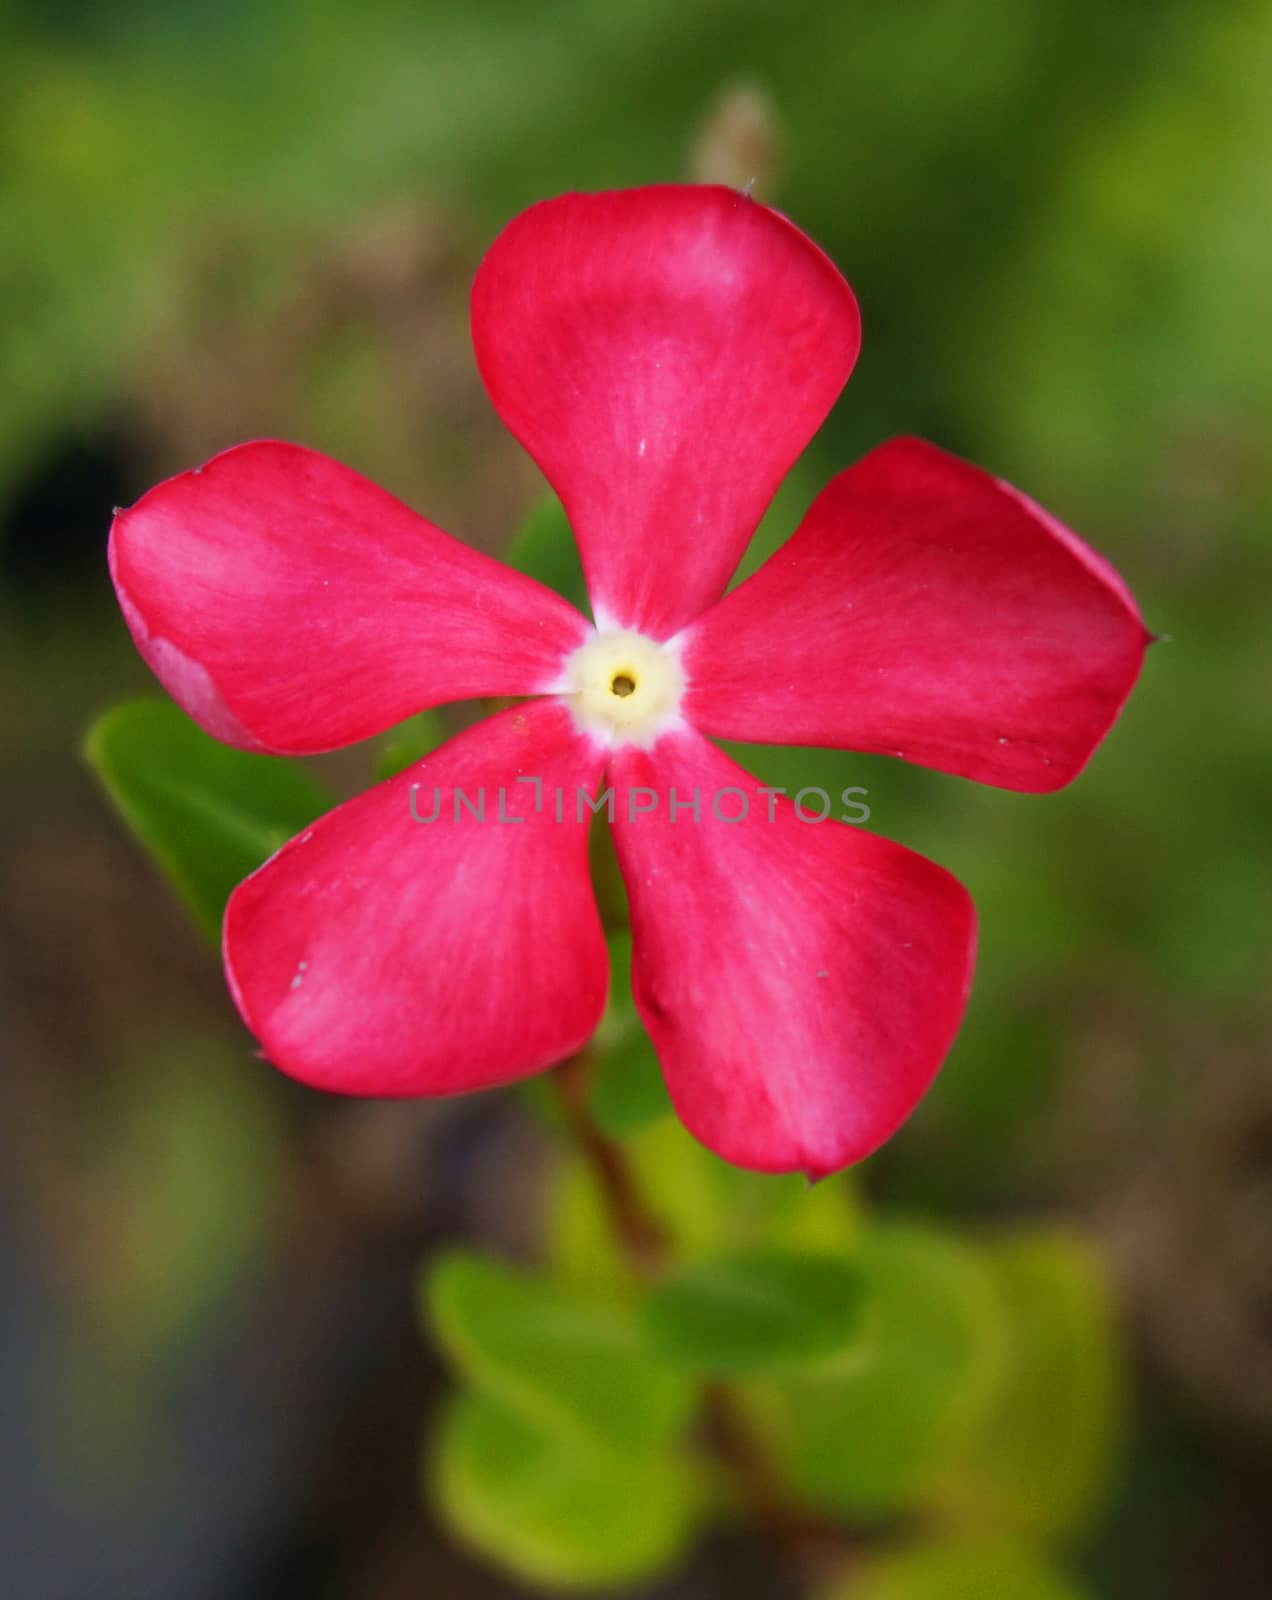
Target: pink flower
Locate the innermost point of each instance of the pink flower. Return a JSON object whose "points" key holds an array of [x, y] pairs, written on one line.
{"points": [[664, 354]]}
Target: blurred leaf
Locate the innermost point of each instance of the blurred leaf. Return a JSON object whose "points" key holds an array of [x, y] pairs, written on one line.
{"points": [[543, 547], [959, 1570], [607, 880], [627, 1085], [628, 1091], [209, 815], [567, 1362], [703, 1205], [408, 743], [552, 1512], [1040, 1456], [757, 1311], [868, 1438], [179, 1195]]}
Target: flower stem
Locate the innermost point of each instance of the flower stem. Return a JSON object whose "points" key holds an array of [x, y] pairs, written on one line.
{"points": [[814, 1547], [640, 1236]]}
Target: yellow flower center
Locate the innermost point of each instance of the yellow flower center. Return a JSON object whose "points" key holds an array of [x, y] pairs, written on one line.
{"points": [[624, 688]]}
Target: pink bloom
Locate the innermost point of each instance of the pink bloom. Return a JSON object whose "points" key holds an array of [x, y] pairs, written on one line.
{"points": [[664, 354]]}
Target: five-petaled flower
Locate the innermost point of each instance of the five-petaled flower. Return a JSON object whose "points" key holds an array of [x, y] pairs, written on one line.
{"points": [[664, 354]]}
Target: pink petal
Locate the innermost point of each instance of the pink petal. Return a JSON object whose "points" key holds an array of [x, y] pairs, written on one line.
{"points": [[664, 354], [289, 604], [382, 954], [924, 609], [802, 981]]}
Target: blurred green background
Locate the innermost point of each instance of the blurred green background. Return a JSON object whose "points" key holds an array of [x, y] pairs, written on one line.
{"points": [[219, 222]]}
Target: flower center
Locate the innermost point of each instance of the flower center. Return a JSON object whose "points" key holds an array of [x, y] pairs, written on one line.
{"points": [[624, 688]]}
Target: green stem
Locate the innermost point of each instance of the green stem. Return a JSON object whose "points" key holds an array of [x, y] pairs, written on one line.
{"points": [[816, 1547], [639, 1234]]}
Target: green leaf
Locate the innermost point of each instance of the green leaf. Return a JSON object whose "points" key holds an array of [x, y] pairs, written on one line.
{"points": [[1041, 1457], [568, 1362], [209, 815], [544, 548], [553, 1513], [867, 1439], [975, 1569], [408, 743], [757, 1311], [628, 1091], [627, 1087]]}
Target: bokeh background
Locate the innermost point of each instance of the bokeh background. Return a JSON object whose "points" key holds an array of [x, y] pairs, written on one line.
{"points": [[223, 221]]}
